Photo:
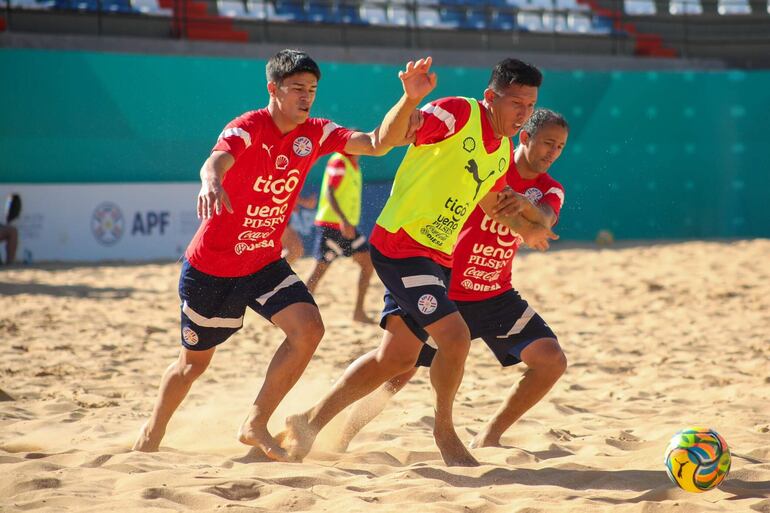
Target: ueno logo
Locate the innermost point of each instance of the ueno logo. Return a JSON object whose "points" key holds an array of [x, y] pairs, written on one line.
{"points": [[281, 188]]}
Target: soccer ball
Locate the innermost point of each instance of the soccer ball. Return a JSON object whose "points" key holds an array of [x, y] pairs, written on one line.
{"points": [[697, 459]]}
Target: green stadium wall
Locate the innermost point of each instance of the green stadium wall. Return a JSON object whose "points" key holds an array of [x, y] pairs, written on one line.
{"points": [[651, 155]]}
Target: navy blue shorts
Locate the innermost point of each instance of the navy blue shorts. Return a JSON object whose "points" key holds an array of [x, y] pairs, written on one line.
{"points": [[330, 244], [213, 307], [415, 289], [506, 323]]}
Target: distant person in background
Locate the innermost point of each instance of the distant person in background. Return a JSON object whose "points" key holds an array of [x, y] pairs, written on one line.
{"points": [[293, 248], [337, 235], [8, 233]]}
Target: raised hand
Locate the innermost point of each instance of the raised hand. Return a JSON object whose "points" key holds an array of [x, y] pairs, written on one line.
{"points": [[417, 80]]}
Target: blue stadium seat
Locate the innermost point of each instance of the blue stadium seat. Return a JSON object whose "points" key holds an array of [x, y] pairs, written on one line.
{"points": [[677, 7], [553, 22], [32, 4], [640, 7], [727, 7], [399, 15], [320, 12], [348, 13], [287, 10], [449, 17], [579, 23], [502, 20], [476, 18], [373, 14], [601, 25], [150, 7], [122, 6], [529, 21]]}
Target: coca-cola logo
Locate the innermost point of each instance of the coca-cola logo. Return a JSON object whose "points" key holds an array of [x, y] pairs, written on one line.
{"points": [[480, 274], [249, 235]]}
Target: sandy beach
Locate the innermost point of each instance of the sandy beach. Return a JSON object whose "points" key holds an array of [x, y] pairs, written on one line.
{"points": [[658, 337]]}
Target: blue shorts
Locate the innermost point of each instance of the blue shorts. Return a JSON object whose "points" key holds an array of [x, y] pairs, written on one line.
{"points": [[415, 289], [330, 244], [506, 323], [213, 307]]}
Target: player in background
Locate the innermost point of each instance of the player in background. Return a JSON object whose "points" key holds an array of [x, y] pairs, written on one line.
{"points": [[293, 248], [337, 235]]}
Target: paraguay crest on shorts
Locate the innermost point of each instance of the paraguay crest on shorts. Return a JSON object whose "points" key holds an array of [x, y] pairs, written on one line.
{"points": [[189, 336], [427, 304]]}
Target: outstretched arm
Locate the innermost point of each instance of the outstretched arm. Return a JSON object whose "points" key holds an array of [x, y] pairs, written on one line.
{"points": [[418, 82]]}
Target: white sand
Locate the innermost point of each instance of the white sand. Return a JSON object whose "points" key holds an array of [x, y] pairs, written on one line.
{"points": [[658, 337]]}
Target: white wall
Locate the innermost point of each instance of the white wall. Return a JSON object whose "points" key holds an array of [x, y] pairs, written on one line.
{"points": [[91, 222]]}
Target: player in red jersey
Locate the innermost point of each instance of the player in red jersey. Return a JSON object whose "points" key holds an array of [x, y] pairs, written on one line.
{"points": [[250, 184], [481, 287], [459, 160]]}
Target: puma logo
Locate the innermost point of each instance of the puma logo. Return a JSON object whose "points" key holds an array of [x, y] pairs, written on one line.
{"points": [[267, 149], [681, 466], [473, 169]]}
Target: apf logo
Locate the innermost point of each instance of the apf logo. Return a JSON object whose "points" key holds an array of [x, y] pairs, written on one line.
{"points": [[107, 223], [302, 146], [281, 189]]}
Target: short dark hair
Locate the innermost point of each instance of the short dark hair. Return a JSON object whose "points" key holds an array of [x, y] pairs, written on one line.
{"points": [[541, 118], [513, 71], [290, 62]]}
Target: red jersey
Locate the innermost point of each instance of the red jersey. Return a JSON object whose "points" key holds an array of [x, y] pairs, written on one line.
{"points": [[263, 185], [483, 256], [442, 119]]}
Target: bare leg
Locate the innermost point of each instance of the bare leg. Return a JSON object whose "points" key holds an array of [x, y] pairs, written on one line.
{"points": [[369, 407], [546, 363], [397, 354], [367, 269], [303, 327], [292, 245], [10, 235], [174, 386], [446, 373], [315, 277]]}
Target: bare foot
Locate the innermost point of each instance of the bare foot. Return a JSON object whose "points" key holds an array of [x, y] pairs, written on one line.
{"points": [[363, 318], [258, 436], [298, 437], [146, 441], [453, 451], [484, 440]]}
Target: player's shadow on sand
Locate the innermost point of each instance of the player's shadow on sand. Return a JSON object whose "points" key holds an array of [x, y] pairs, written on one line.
{"points": [[655, 484], [82, 291]]}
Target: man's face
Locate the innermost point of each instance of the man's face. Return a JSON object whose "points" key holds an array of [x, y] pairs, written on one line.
{"points": [[295, 95], [510, 108], [544, 148]]}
